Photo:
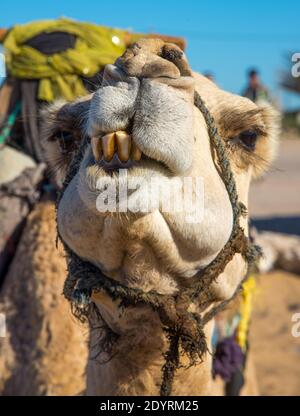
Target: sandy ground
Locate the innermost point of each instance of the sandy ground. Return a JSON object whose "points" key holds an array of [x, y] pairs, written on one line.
{"points": [[276, 352], [275, 205], [275, 199], [278, 192]]}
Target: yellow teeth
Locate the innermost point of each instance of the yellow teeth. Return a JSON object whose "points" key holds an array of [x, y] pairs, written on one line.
{"points": [[123, 145], [108, 146], [119, 142], [136, 153], [96, 147]]}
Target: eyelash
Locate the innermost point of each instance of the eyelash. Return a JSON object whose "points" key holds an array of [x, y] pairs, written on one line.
{"points": [[247, 139]]}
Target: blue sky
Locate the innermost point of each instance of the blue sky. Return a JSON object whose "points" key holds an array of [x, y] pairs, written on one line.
{"points": [[226, 37]]}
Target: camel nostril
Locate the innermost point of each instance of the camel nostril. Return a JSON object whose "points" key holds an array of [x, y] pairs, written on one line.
{"points": [[175, 55], [171, 54]]}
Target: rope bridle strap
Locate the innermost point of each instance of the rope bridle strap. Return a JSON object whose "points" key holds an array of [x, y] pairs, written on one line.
{"points": [[184, 329]]}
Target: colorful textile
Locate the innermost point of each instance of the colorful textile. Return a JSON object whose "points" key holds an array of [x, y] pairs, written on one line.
{"points": [[249, 288], [60, 74], [228, 358]]}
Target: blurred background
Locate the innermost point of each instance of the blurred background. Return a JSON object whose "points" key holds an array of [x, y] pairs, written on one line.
{"points": [[246, 48]]}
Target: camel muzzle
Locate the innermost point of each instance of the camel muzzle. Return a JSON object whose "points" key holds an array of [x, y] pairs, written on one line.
{"points": [[143, 108]]}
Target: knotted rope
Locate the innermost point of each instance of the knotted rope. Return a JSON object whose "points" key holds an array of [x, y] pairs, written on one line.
{"points": [[184, 329]]}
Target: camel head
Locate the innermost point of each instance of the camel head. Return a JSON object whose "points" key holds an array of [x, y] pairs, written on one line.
{"points": [[147, 141]]}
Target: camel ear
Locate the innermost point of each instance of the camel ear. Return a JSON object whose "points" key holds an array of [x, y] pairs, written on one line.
{"points": [[63, 128]]}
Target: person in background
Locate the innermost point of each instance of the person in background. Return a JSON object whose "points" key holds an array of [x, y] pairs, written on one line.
{"points": [[209, 75], [255, 90]]}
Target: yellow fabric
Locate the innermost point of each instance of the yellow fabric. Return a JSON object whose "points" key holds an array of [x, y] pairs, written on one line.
{"points": [[59, 74], [249, 288]]}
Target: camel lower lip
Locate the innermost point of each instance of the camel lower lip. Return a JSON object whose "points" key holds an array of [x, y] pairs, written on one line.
{"points": [[115, 164]]}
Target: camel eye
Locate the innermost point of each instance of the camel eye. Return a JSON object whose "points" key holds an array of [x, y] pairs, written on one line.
{"points": [[248, 139], [66, 140]]}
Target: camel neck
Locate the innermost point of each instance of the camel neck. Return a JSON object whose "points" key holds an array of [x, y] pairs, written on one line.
{"points": [[135, 362]]}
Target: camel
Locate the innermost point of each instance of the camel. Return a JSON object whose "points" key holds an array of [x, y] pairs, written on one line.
{"points": [[41, 354], [142, 123]]}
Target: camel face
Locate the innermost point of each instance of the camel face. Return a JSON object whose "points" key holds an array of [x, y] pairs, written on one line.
{"points": [[143, 124]]}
